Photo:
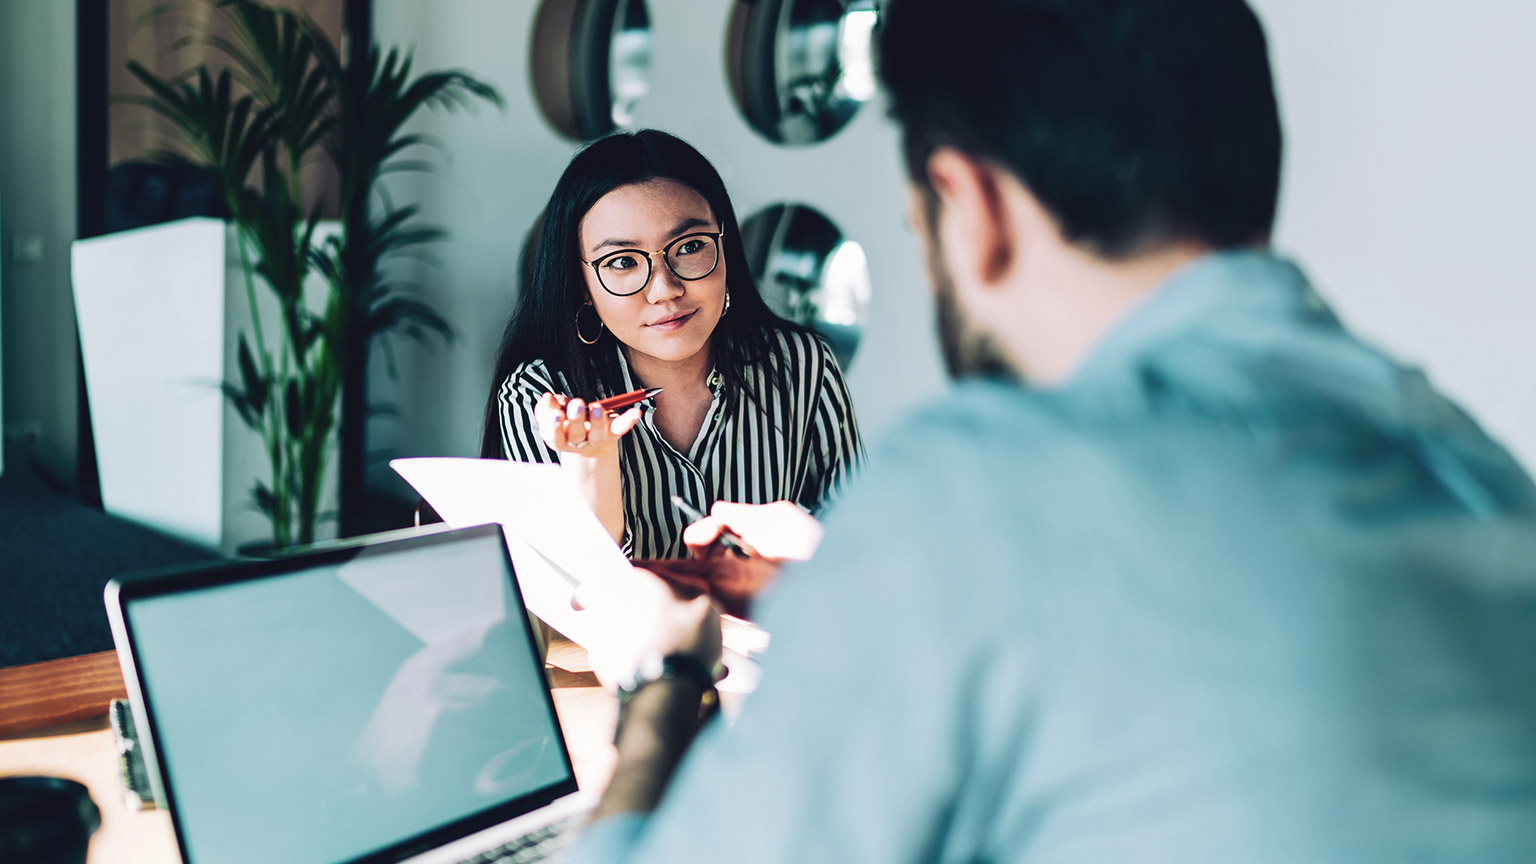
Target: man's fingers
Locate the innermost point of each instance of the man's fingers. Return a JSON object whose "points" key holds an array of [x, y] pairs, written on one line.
{"points": [[643, 614]]}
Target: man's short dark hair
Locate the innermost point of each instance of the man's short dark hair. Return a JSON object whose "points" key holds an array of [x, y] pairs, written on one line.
{"points": [[1134, 122]]}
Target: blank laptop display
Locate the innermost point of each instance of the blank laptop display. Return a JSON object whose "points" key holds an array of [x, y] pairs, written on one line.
{"points": [[359, 704]]}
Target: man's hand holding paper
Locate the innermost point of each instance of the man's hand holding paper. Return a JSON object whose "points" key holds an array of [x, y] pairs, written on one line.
{"points": [[653, 620], [559, 548]]}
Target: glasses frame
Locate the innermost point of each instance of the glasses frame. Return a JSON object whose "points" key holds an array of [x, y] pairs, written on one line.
{"points": [[650, 265]]}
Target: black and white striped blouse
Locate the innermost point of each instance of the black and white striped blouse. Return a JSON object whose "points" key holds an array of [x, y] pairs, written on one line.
{"points": [[802, 448]]}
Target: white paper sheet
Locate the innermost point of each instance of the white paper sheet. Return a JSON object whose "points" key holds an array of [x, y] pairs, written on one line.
{"points": [[556, 543]]}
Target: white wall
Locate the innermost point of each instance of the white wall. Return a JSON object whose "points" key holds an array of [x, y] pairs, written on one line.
{"points": [[503, 167], [37, 182], [1407, 194], [1410, 134], [162, 310]]}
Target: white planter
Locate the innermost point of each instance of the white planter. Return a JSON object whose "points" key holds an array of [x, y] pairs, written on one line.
{"points": [[160, 310]]}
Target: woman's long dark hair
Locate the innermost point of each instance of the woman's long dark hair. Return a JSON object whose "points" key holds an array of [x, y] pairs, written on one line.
{"points": [[543, 324]]}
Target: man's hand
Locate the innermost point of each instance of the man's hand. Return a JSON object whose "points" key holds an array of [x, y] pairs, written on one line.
{"points": [[642, 616]]}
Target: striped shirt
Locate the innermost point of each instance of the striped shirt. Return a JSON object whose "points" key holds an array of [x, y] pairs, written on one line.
{"points": [[801, 445]]}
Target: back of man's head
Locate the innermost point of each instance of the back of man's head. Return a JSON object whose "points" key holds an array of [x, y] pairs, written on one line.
{"points": [[1135, 123]]}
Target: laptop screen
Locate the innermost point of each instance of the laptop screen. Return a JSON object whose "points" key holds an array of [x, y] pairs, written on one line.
{"points": [[345, 704]]}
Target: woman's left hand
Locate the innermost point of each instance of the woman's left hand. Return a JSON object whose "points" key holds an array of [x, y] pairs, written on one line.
{"points": [[571, 426]]}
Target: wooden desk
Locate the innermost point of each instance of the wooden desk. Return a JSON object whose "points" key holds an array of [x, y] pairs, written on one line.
{"points": [[53, 720]]}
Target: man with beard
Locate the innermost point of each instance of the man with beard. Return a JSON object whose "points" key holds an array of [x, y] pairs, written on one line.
{"points": [[1179, 570]]}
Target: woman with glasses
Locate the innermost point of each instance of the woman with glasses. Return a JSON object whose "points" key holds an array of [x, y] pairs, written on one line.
{"points": [[638, 280]]}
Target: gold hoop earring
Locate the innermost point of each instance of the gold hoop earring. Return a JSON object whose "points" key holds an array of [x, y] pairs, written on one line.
{"points": [[585, 340]]}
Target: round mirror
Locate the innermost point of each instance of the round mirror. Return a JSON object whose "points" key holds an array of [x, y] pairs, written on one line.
{"points": [[809, 273], [800, 69], [591, 64]]}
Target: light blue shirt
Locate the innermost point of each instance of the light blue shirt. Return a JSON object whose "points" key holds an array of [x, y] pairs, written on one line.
{"points": [[1244, 591]]}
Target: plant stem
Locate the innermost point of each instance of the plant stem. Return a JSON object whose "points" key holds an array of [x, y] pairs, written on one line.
{"points": [[271, 419]]}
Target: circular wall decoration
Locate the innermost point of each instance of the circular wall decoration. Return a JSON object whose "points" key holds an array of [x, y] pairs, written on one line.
{"points": [[591, 64], [809, 273], [801, 69]]}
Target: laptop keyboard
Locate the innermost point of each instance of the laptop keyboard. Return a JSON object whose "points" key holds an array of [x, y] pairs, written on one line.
{"points": [[537, 845]]}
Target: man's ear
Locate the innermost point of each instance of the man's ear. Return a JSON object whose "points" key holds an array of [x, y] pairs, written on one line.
{"points": [[974, 223]]}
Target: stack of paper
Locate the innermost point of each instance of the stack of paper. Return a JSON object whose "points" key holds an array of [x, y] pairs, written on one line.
{"points": [[557, 544]]}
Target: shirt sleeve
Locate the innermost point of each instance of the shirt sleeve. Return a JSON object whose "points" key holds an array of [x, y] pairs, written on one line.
{"points": [[835, 451], [856, 743], [607, 839], [520, 441]]}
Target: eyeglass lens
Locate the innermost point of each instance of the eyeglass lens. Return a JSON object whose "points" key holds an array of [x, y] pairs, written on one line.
{"points": [[628, 271]]}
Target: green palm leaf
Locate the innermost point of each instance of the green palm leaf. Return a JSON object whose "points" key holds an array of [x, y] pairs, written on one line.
{"points": [[286, 94]]}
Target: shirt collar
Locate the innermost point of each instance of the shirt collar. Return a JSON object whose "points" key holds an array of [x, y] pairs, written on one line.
{"points": [[1245, 300], [1243, 331]]}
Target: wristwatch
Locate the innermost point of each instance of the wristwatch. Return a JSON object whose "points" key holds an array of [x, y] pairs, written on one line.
{"points": [[656, 667]]}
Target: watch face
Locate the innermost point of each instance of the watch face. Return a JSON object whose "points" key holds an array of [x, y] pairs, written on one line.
{"points": [[651, 667]]}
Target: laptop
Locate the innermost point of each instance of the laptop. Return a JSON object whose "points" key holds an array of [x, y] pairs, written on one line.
{"points": [[372, 701]]}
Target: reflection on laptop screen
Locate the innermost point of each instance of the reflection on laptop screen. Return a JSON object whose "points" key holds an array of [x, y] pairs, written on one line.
{"points": [[348, 706]]}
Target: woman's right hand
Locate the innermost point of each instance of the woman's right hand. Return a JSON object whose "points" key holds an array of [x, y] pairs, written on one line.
{"points": [[571, 427], [779, 532], [774, 534]]}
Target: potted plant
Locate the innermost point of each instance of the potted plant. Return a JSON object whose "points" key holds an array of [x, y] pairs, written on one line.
{"points": [[287, 97]]}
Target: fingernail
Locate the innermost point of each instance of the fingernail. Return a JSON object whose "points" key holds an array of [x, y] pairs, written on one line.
{"points": [[597, 411]]}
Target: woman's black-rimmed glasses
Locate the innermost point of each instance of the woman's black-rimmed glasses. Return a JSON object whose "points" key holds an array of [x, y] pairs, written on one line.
{"points": [[690, 257]]}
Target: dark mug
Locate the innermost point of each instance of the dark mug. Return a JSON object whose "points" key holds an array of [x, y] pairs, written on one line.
{"points": [[45, 820]]}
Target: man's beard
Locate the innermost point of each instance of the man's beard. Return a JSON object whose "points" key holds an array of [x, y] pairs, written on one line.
{"points": [[968, 351]]}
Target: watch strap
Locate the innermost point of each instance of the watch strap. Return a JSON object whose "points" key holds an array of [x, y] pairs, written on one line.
{"points": [[685, 667]]}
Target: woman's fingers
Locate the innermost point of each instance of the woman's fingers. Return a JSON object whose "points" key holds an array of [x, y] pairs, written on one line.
{"points": [[604, 429], [780, 530], [598, 435], [576, 424], [625, 422], [549, 414], [700, 535]]}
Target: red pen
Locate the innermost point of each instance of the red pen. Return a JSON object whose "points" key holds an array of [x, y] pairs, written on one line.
{"points": [[615, 404]]}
